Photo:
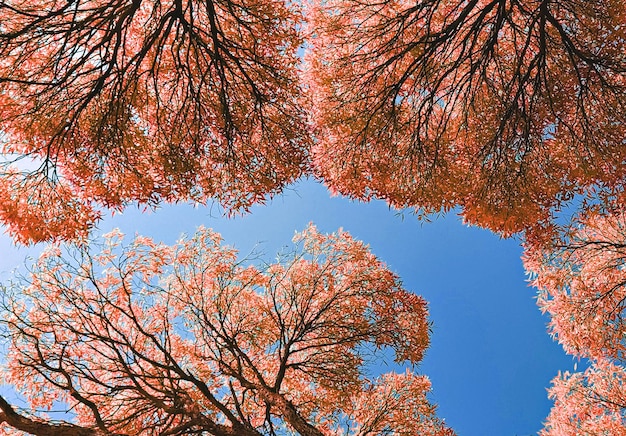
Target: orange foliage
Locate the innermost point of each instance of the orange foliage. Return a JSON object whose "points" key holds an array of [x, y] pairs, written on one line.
{"points": [[582, 285], [507, 109], [504, 108], [153, 339], [581, 282], [148, 101]]}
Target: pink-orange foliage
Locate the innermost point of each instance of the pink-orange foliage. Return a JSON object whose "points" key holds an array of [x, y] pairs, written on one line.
{"points": [[150, 339], [582, 285], [581, 281], [505, 108], [588, 403], [145, 101]]}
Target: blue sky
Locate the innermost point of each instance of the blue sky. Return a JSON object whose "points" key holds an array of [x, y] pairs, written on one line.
{"points": [[490, 359]]}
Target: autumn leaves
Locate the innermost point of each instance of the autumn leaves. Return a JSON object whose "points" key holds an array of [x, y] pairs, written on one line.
{"points": [[146, 102], [581, 281], [505, 109], [147, 339]]}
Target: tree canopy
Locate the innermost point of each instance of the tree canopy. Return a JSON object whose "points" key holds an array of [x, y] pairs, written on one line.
{"points": [[582, 285], [145, 101], [504, 108], [187, 339]]}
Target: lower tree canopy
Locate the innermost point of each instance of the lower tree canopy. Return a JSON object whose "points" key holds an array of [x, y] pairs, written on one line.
{"points": [[581, 279], [147, 339]]}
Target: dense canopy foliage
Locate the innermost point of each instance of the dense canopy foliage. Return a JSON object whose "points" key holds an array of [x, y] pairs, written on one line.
{"points": [[503, 107], [187, 339], [506, 109], [145, 101]]}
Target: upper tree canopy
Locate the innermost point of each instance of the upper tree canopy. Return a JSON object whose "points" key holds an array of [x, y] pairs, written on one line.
{"points": [[503, 107], [148, 339], [146, 101], [506, 108]]}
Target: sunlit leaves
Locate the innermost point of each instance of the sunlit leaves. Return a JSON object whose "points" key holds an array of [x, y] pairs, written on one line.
{"points": [[581, 280], [150, 101], [503, 108], [592, 402], [146, 338]]}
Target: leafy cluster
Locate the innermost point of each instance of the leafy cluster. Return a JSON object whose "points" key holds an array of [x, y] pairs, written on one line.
{"points": [[186, 339], [582, 285]]}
